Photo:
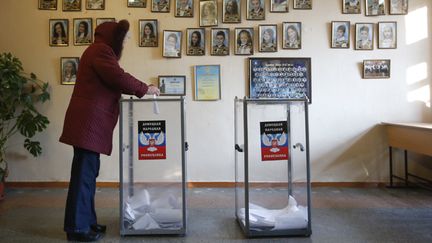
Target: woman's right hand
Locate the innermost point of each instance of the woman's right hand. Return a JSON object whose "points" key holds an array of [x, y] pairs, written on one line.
{"points": [[153, 90]]}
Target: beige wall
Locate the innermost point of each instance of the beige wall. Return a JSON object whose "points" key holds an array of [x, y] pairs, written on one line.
{"points": [[346, 143]]}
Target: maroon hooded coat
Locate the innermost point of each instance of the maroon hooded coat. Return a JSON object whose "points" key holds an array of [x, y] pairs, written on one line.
{"points": [[94, 106]]}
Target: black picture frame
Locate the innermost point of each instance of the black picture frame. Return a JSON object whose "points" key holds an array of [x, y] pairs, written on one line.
{"points": [[376, 69], [280, 78]]}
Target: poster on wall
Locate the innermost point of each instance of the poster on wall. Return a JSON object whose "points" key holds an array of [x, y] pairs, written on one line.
{"points": [[283, 78], [274, 140], [151, 140]]}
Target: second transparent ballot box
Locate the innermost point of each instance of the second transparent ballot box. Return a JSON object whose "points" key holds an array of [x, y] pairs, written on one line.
{"points": [[272, 173], [152, 167]]}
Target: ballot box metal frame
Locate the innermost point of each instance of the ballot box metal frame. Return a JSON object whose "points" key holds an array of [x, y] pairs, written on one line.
{"points": [[184, 146], [238, 149]]}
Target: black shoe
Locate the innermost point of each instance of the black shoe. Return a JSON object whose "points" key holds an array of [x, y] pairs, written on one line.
{"points": [[98, 228], [84, 237]]}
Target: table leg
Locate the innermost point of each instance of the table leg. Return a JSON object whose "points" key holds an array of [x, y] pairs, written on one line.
{"points": [[406, 168], [391, 165]]}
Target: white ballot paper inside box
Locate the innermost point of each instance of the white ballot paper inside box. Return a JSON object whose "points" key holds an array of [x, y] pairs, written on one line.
{"points": [[290, 217], [144, 213]]}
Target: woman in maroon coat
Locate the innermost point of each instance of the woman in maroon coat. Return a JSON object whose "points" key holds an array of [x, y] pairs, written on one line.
{"points": [[90, 120]]}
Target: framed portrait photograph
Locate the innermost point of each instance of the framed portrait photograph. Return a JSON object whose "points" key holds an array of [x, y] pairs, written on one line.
{"points": [[83, 31], [387, 35], [291, 35], [375, 7], [207, 82], [255, 9], [195, 42], [47, 4], [280, 77], [267, 36], [244, 41], [71, 5], [184, 8], [364, 36], [208, 13], [95, 4], [160, 6], [351, 6], [279, 6], [231, 11], [103, 20], [137, 3], [59, 32], [68, 69], [302, 4], [376, 69], [148, 33], [172, 42], [220, 39], [398, 7], [172, 85], [340, 34]]}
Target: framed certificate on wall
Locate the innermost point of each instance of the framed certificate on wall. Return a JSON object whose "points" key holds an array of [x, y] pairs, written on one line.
{"points": [[172, 85], [207, 82]]}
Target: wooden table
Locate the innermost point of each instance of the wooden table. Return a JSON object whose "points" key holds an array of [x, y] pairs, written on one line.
{"points": [[414, 137]]}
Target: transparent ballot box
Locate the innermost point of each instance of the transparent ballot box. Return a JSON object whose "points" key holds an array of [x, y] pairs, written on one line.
{"points": [[152, 167], [272, 171]]}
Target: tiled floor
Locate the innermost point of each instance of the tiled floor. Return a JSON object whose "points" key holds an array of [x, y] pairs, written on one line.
{"points": [[338, 215]]}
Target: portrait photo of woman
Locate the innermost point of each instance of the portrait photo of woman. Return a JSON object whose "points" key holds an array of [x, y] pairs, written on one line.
{"points": [[244, 41], [231, 11], [208, 13], [184, 8], [59, 29], [172, 43], [267, 38], [162, 6], [148, 33], [387, 35], [68, 69], [83, 29], [291, 36], [195, 42]]}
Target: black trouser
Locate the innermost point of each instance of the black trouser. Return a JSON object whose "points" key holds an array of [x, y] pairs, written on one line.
{"points": [[80, 208]]}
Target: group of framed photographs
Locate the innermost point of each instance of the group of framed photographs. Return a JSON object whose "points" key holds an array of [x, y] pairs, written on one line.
{"points": [[364, 35], [72, 5], [219, 39], [82, 31], [375, 7]]}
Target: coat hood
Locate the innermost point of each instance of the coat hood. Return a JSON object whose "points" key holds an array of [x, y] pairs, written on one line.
{"points": [[112, 34]]}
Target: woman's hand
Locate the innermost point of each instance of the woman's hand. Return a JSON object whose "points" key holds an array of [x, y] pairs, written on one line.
{"points": [[153, 90]]}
